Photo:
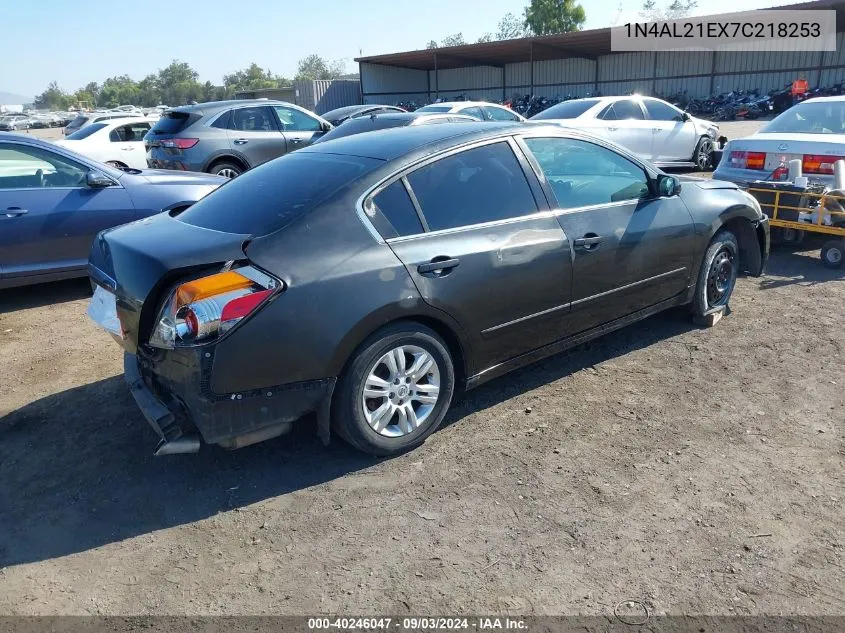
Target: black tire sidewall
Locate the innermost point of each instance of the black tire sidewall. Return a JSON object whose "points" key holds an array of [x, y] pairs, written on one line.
{"points": [[218, 167], [723, 239], [701, 141], [833, 244], [348, 418]]}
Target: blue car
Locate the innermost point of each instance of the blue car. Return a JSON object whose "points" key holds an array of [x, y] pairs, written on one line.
{"points": [[54, 201]]}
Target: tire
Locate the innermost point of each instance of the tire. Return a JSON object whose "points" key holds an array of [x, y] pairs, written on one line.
{"points": [[791, 237], [833, 254], [394, 431], [703, 154], [226, 169], [718, 273]]}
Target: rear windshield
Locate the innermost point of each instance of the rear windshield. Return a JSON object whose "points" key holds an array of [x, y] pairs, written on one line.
{"points": [[566, 110], [171, 123], [364, 124], [275, 194], [78, 121], [85, 132], [820, 117], [434, 108]]}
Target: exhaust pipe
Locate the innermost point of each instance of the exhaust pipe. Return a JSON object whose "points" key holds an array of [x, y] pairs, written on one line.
{"points": [[184, 444]]}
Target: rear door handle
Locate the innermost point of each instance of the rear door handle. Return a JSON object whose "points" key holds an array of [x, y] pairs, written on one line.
{"points": [[612, 129], [589, 242], [439, 265], [127, 149], [241, 141], [655, 129], [14, 212]]}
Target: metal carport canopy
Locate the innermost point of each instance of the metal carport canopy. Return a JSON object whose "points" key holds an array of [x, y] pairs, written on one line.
{"points": [[584, 44]]}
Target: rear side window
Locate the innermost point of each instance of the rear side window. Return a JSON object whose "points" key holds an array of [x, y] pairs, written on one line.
{"points": [[275, 194], [500, 114], [78, 121], [395, 205], [622, 111], [478, 185], [223, 121], [659, 111], [171, 123]]}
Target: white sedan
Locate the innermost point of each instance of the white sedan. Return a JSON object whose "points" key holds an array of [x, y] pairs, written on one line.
{"points": [[812, 131], [116, 142], [480, 110], [653, 129]]}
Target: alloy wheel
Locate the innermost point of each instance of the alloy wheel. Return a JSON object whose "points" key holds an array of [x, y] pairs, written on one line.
{"points": [[401, 391], [702, 159], [228, 173], [720, 278]]}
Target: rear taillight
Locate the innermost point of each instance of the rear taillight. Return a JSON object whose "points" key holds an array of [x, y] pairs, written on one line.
{"points": [[747, 160], [179, 143], [201, 310], [816, 164]]}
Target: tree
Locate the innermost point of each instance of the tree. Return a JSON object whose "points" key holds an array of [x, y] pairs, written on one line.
{"points": [[487, 37], [431, 44], [453, 40], [253, 78], [510, 27], [676, 9], [53, 98], [121, 90], [315, 67], [545, 17], [149, 91], [178, 84]]}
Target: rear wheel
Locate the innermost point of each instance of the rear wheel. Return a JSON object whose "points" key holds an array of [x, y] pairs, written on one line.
{"points": [[395, 391], [787, 236], [718, 273], [833, 254], [226, 169]]}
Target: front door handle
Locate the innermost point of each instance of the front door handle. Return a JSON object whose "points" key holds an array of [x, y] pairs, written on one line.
{"points": [[127, 149], [612, 129], [655, 129], [295, 140], [14, 212], [439, 266], [589, 242], [241, 141]]}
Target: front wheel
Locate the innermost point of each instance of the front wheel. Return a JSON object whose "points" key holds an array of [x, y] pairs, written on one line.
{"points": [[717, 277], [703, 155], [395, 391]]}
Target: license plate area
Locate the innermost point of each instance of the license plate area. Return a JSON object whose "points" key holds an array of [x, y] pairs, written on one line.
{"points": [[775, 160], [103, 311]]}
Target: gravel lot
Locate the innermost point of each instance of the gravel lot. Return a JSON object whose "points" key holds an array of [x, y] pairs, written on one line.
{"points": [[699, 471]]}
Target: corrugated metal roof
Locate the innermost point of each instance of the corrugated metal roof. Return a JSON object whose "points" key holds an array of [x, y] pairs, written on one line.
{"points": [[584, 44]]}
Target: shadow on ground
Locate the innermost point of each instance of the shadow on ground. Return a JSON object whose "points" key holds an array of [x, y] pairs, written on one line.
{"points": [[39, 295], [77, 472], [787, 267]]}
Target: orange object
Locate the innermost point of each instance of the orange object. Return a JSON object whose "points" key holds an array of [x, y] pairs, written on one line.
{"points": [[210, 286], [800, 86]]}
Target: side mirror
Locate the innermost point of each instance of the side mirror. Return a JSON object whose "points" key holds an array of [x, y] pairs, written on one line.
{"points": [[325, 126], [668, 186], [685, 116], [98, 180]]}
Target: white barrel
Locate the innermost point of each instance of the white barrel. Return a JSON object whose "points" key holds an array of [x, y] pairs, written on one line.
{"points": [[839, 175], [794, 169]]}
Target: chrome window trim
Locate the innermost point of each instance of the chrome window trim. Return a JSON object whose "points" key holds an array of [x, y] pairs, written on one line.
{"points": [[471, 227]]}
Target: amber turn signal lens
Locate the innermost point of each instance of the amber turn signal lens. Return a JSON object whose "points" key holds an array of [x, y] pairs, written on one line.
{"points": [[210, 286]]}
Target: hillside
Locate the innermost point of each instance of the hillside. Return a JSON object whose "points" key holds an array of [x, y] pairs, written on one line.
{"points": [[8, 98]]}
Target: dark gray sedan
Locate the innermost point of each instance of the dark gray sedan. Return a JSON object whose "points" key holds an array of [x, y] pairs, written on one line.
{"points": [[54, 201], [368, 278]]}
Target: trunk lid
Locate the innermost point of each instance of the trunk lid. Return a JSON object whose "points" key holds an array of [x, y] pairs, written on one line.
{"points": [[143, 259]]}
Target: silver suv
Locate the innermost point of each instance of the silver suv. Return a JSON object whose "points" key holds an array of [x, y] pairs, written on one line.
{"points": [[228, 137]]}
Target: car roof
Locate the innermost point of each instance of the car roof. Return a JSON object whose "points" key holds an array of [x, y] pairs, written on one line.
{"points": [[212, 107], [400, 141], [464, 104], [352, 109]]}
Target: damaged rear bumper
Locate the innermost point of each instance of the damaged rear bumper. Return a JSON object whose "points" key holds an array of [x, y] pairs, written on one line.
{"points": [[174, 396]]}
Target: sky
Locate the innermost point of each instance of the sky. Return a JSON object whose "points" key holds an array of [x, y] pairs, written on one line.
{"points": [[74, 43]]}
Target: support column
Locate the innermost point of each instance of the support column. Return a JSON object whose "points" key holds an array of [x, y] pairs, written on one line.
{"points": [[531, 57]]}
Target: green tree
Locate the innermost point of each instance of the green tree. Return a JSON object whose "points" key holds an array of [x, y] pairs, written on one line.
{"points": [[487, 37], [53, 98], [121, 90], [510, 27], [431, 44], [253, 78], [83, 97], [675, 9], [545, 17], [453, 40], [149, 91], [316, 67], [179, 84]]}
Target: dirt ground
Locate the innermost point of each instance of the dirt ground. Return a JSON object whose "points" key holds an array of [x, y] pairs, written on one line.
{"points": [[699, 471]]}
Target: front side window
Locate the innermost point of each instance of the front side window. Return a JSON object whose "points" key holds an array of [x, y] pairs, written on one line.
{"points": [[583, 174], [258, 119], [659, 111], [622, 110], [484, 184], [295, 121], [23, 167], [473, 111], [395, 205]]}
